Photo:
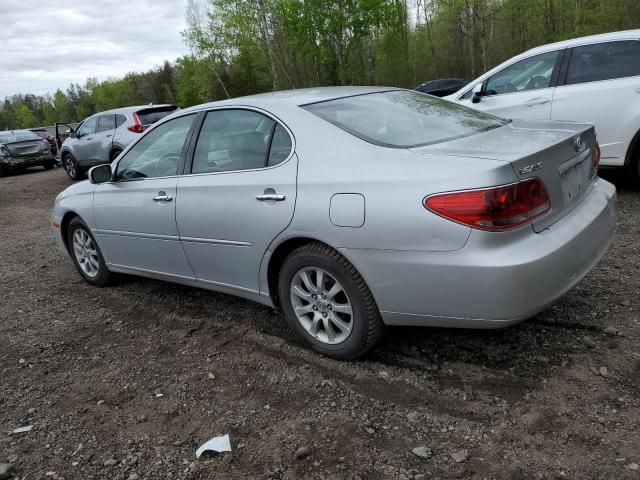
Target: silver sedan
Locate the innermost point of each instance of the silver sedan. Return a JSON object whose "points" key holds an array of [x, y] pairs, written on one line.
{"points": [[350, 209]]}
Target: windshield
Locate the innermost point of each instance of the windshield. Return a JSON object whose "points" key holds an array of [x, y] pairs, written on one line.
{"points": [[403, 119]]}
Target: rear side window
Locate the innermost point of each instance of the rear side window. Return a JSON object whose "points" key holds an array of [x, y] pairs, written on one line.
{"points": [[106, 123], [604, 61], [239, 140], [403, 119], [149, 116], [120, 119]]}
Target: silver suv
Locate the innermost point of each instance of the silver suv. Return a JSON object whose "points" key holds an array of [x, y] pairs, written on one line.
{"points": [[100, 138]]}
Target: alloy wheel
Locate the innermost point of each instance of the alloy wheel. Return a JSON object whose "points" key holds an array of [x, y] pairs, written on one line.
{"points": [[86, 253], [321, 305], [69, 166]]}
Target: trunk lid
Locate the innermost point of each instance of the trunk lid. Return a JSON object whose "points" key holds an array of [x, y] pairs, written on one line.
{"points": [[26, 148], [559, 153]]}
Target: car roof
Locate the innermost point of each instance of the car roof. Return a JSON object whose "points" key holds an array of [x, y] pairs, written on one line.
{"points": [[574, 42], [134, 108], [299, 97]]}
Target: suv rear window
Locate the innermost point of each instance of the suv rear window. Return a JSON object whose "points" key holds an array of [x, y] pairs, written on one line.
{"points": [[151, 115], [403, 119]]}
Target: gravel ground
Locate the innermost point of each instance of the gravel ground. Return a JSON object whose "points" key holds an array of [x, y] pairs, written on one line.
{"points": [[126, 382]]}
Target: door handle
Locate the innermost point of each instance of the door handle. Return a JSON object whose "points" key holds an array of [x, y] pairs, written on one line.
{"points": [[638, 90], [110, 135], [276, 197], [162, 197], [537, 101]]}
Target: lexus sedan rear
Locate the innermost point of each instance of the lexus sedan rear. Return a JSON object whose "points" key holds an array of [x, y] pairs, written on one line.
{"points": [[350, 209]]}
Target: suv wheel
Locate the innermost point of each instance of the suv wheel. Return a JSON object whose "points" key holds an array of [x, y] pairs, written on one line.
{"points": [[71, 167], [327, 303]]}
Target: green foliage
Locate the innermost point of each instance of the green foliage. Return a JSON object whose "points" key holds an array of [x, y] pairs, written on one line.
{"points": [[242, 47]]}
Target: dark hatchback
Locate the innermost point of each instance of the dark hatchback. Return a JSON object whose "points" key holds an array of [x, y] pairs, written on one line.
{"points": [[20, 149], [442, 87]]}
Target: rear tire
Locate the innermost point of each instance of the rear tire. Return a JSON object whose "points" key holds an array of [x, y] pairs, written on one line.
{"points": [[72, 168], [86, 254], [3, 171], [327, 302]]}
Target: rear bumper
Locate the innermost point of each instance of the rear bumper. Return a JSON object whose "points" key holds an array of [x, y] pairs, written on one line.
{"points": [[18, 162], [497, 279]]}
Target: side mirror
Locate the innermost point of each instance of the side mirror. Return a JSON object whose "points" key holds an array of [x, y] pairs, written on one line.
{"points": [[100, 174], [477, 93], [71, 133]]}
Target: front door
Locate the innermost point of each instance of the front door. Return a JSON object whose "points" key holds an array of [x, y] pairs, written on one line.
{"points": [[135, 214], [84, 149], [240, 195], [523, 90]]}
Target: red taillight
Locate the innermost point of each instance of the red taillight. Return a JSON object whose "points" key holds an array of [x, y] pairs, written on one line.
{"points": [[137, 126], [595, 160], [494, 209]]}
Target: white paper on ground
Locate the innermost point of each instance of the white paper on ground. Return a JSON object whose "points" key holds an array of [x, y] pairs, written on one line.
{"points": [[23, 429], [218, 444]]}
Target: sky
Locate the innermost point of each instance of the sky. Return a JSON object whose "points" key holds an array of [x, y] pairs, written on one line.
{"points": [[46, 45]]}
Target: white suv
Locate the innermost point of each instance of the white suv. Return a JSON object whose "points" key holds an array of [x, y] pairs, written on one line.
{"points": [[594, 79]]}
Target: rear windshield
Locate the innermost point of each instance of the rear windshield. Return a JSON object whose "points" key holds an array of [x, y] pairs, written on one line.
{"points": [[10, 137], [41, 133], [149, 116], [403, 119]]}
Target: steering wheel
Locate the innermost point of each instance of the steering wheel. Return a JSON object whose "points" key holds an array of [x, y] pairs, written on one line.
{"points": [[536, 82], [166, 165]]}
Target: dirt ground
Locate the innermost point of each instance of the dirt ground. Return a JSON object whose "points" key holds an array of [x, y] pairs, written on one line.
{"points": [[127, 382]]}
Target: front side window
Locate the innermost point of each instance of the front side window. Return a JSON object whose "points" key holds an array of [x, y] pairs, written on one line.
{"points": [[403, 119], [531, 73], [239, 140], [157, 153], [604, 61], [88, 127]]}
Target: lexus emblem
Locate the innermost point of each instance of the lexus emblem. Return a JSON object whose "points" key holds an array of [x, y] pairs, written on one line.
{"points": [[578, 143]]}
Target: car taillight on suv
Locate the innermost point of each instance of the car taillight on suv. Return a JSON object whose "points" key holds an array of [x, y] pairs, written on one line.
{"points": [[493, 209], [137, 126]]}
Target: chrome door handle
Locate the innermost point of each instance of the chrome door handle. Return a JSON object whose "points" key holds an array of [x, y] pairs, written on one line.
{"points": [[537, 101], [162, 197], [276, 197]]}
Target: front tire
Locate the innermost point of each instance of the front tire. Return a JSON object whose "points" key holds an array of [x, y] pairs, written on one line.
{"points": [[114, 155], [86, 254], [72, 168], [328, 303]]}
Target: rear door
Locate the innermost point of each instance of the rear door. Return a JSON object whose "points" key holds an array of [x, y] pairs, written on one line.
{"points": [[135, 214], [84, 149], [601, 84], [522, 90], [239, 196], [103, 137]]}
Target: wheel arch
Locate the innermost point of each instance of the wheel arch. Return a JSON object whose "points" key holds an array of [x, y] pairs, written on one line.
{"points": [[64, 227], [633, 152], [278, 256]]}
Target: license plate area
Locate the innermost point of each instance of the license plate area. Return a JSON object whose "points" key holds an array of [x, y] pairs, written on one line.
{"points": [[574, 178]]}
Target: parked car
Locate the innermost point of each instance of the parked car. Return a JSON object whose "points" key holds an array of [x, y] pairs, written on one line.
{"points": [[20, 149], [593, 79], [350, 208], [442, 87], [45, 135], [100, 138]]}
